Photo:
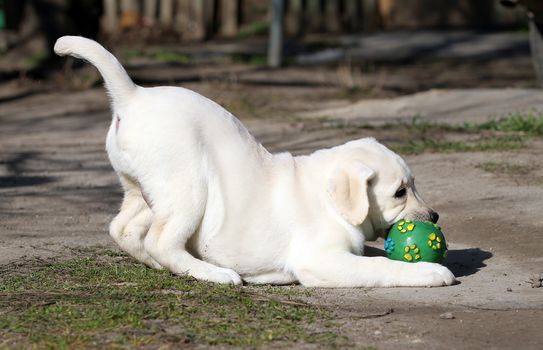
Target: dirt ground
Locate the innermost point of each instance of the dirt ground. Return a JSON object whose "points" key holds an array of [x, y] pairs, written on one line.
{"points": [[58, 190]]}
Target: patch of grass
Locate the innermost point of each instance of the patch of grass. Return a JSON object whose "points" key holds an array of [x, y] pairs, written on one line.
{"points": [[498, 143], [129, 53], [319, 45], [519, 173], [107, 300], [530, 123], [506, 168], [254, 29], [169, 56], [419, 136], [356, 92], [163, 55], [35, 59], [253, 59]]}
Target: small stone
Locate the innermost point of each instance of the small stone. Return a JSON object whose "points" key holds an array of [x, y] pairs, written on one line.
{"points": [[447, 316], [536, 281], [509, 289]]}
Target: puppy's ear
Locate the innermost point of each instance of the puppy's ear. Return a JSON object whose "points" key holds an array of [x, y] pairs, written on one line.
{"points": [[348, 189]]}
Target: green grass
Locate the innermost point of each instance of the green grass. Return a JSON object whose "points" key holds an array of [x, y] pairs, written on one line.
{"points": [[254, 29], [506, 168], [498, 143], [520, 173], [252, 59], [418, 136], [108, 300], [163, 55], [528, 123], [169, 56], [35, 59]]}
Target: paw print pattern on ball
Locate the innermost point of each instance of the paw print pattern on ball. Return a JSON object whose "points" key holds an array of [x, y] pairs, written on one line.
{"points": [[434, 241], [405, 226], [389, 245], [412, 253]]}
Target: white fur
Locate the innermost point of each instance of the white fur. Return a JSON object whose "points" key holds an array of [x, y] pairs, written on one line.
{"points": [[203, 198]]}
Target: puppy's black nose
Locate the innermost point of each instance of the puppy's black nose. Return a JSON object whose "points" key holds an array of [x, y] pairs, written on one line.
{"points": [[434, 216]]}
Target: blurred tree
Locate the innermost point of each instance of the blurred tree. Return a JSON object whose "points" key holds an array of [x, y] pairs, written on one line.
{"points": [[535, 15], [56, 18]]}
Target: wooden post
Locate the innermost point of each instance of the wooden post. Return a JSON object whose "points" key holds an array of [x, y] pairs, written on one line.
{"points": [[275, 42], [313, 15], [183, 23], [130, 13], [191, 20], [294, 18], [111, 16], [199, 28], [332, 16], [229, 17], [166, 13], [352, 14], [209, 17], [149, 12], [536, 46], [373, 11]]}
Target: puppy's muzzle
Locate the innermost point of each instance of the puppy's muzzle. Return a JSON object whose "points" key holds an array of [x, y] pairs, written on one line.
{"points": [[424, 216]]}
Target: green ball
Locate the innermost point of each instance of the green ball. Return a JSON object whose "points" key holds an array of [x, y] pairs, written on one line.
{"points": [[414, 241]]}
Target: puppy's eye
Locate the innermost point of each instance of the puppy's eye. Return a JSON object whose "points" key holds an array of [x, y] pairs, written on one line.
{"points": [[400, 193]]}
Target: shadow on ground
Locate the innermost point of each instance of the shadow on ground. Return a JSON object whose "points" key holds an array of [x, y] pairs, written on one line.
{"points": [[466, 262], [20, 181], [461, 262]]}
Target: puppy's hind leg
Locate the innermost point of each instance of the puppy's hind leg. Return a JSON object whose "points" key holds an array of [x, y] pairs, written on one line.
{"points": [[130, 226], [167, 238]]}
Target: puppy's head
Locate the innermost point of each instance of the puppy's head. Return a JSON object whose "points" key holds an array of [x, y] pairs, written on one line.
{"points": [[372, 187]]}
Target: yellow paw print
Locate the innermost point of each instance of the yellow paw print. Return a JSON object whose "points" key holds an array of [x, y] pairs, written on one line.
{"points": [[411, 252], [434, 241], [406, 225]]}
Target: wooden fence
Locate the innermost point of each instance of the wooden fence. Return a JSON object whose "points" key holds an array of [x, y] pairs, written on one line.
{"points": [[201, 19]]}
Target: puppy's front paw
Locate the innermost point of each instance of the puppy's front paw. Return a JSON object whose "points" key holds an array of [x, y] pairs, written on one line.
{"points": [[224, 276], [431, 275]]}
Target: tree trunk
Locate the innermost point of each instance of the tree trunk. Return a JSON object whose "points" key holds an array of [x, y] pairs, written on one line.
{"points": [[536, 45]]}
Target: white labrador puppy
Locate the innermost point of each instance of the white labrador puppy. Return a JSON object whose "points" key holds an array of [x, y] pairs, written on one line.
{"points": [[203, 198]]}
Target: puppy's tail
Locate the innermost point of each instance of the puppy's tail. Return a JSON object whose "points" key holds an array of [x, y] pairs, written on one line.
{"points": [[118, 83]]}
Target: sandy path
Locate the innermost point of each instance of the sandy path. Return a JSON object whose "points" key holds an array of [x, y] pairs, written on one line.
{"points": [[57, 189]]}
